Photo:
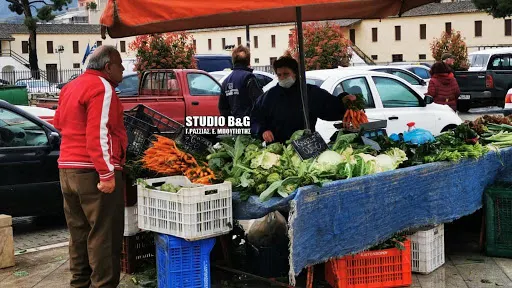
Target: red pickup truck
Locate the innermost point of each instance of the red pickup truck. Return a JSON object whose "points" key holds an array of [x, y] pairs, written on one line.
{"points": [[176, 93]]}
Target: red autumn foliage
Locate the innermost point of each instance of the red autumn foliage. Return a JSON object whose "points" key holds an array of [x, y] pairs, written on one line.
{"points": [[454, 44], [164, 51], [324, 46]]}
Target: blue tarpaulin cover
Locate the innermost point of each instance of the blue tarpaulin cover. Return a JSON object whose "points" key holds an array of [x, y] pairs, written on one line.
{"points": [[348, 216]]}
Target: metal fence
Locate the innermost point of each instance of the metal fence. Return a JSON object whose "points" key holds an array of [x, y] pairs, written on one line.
{"points": [[39, 81]]}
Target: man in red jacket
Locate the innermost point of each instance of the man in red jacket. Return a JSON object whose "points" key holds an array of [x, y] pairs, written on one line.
{"points": [[92, 153]]}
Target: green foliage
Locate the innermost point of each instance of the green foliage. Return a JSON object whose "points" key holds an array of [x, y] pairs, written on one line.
{"points": [[496, 8]]}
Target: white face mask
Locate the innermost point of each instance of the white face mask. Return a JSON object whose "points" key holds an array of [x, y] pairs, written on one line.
{"points": [[287, 83]]}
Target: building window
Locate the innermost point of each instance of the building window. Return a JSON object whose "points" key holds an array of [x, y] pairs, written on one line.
{"points": [[374, 35], [76, 65], [99, 43], [375, 57], [273, 41], [223, 43], [272, 60], [508, 27], [397, 58], [255, 41], [448, 27], [422, 56], [239, 40], [423, 31], [122, 46], [398, 33], [49, 47], [194, 44], [209, 44], [75, 47], [352, 35], [24, 47], [256, 60], [478, 28]]}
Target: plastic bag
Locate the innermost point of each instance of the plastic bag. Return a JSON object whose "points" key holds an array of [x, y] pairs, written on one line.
{"points": [[416, 136], [269, 230]]}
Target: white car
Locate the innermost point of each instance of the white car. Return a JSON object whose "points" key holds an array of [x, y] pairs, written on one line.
{"points": [[479, 60], [263, 77], [387, 97], [413, 79], [43, 113]]}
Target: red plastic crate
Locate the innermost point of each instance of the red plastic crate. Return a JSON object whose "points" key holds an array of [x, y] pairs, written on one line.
{"points": [[137, 249], [371, 269]]}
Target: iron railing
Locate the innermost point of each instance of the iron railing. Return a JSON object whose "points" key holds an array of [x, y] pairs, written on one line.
{"points": [[52, 81]]}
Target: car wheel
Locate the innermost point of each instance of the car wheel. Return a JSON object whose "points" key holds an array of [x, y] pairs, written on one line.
{"points": [[449, 127], [463, 106]]}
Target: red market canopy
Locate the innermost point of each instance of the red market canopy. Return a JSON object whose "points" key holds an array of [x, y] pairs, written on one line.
{"points": [[124, 18]]}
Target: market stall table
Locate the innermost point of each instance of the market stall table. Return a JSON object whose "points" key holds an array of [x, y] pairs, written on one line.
{"points": [[348, 216]]}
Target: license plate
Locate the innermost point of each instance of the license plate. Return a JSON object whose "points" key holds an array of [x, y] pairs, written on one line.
{"points": [[465, 97]]}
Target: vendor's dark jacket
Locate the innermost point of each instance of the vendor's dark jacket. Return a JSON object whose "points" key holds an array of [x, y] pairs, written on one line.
{"points": [[239, 93], [280, 110]]}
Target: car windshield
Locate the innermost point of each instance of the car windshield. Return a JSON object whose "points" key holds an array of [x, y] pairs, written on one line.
{"points": [[478, 60], [314, 81], [38, 84]]}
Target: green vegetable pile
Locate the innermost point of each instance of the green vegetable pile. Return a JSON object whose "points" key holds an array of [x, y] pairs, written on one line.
{"points": [[166, 187], [256, 170]]}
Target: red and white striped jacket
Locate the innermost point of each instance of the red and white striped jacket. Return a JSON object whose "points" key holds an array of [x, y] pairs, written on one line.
{"points": [[90, 119]]}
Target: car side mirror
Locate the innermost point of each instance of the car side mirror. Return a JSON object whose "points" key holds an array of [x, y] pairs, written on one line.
{"points": [[54, 139], [423, 82], [118, 91], [429, 99]]}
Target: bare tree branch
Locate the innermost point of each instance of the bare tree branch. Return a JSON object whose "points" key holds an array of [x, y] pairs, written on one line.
{"points": [[39, 1]]}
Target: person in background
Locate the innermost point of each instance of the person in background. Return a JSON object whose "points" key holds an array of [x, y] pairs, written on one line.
{"points": [[240, 89], [448, 59], [279, 113], [443, 85], [92, 153]]}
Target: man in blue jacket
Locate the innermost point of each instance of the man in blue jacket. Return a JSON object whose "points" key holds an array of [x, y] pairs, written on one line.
{"points": [[240, 89], [278, 113]]}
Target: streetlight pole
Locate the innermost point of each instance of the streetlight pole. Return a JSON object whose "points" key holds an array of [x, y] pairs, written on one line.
{"points": [[60, 50]]}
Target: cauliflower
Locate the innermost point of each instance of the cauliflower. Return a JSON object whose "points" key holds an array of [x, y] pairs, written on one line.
{"points": [[265, 160]]}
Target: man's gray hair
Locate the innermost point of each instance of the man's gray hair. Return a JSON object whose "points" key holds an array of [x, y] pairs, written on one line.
{"points": [[101, 58]]}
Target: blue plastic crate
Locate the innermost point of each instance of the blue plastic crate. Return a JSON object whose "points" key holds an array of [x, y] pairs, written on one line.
{"points": [[181, 263]]}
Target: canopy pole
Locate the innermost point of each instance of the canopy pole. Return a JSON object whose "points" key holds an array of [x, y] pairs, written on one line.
{"points": [[302, 71], [247, 37]]}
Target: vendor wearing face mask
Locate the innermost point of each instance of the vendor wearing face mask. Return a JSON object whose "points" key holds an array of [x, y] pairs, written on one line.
{"points": [[279, 112]]}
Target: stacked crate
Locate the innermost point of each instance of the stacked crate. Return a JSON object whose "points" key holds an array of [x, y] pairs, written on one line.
{"points": [[186, 223]]}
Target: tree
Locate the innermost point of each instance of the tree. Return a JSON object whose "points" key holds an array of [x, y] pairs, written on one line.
{"points": [[164, 51], [454, 44], [496, 8], [44, 13], [91, 6], [324, 46]]}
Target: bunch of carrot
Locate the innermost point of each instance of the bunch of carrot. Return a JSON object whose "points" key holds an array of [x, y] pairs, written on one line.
{"points": [[354, 116], [165, 158]]}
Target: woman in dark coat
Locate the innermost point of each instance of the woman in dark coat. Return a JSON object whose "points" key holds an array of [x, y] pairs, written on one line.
{"points": [[443, 85], [278, 113]]}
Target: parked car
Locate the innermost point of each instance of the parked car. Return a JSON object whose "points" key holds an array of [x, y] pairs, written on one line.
{"points": [[4, 82], [488, 85], [176, 93], [479, 60], [37, 86], [413, 79], [420, 70], [129, 86], [263, 77], [428, 65], [29, 149], [210, 63], [387, 97]]}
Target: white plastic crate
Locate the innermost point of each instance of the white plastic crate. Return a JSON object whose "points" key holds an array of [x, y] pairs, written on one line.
{"points": [[193, 213], [427, 248], [131, 226]]}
